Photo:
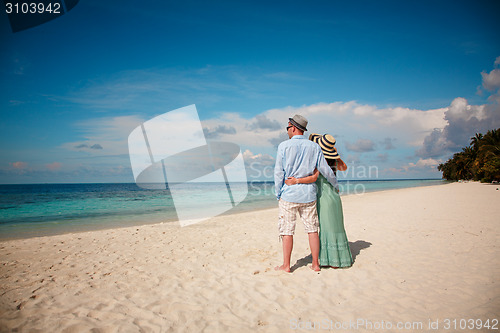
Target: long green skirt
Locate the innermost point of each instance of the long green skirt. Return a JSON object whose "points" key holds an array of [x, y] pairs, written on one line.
{"points": [[334, 246]]}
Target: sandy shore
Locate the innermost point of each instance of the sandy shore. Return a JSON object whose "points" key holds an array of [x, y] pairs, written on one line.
{"points": [[421, 254]]}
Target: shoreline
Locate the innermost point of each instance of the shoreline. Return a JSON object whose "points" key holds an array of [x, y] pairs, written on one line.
{"points": [[250, 181], [44, 229], [421, 255], [136, 222]]}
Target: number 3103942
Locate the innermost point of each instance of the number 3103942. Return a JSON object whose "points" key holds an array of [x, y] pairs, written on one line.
{"points": [[32, 8]]}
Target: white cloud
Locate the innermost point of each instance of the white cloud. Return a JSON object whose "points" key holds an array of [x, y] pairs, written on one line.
{"points": [[356, 126], [463, 121], [211, 133], [424, 163], [361, 146], [364, 129], [259, 166], [422, 168], [491, 80], [243, 131], [262, 122], [367, 130], [264, 159]]}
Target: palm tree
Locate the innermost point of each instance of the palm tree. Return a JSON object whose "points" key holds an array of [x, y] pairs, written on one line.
{"points": [[464, 161], [479, 161], [474, 141], [489, 156]]}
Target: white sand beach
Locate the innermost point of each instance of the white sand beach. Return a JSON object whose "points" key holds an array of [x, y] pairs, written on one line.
{"points": [[423, 256]]}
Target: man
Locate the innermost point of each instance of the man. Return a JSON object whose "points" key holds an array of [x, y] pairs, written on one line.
{"points": [[298, 157]]}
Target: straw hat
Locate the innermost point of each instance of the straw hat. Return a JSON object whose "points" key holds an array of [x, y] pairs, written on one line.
{"points": [[327, 144]]}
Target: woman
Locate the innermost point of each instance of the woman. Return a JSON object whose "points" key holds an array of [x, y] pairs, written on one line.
{"points": [[334, 246]]}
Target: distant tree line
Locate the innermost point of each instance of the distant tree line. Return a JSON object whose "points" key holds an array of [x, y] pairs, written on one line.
{"points": [[479, 161]]}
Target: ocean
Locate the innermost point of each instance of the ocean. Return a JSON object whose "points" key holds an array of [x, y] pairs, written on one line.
{"points": [[32, 210]]}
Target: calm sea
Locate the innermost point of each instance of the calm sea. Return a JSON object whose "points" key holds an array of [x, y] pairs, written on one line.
{"points": [[49, 209]]}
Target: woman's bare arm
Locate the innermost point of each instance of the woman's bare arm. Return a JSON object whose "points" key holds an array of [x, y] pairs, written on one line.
{"points": [[304, 180]]}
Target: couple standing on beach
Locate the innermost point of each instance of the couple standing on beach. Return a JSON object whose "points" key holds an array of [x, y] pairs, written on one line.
{"points": [[301, 189]]}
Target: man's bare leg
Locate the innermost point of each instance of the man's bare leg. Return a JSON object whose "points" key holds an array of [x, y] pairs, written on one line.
{"points": [[287, 253], [314, 245]]}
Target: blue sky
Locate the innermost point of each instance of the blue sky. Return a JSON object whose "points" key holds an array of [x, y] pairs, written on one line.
{"points": [[402, 85]]}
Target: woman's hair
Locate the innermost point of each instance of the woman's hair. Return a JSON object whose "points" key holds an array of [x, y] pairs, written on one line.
{"points": [[332, 164]]}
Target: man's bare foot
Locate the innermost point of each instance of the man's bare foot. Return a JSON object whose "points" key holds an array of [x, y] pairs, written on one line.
{"points": [[315, 268], [282, 268]]}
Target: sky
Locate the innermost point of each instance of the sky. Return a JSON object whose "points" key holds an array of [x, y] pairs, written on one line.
{"points": [[401, 85]]}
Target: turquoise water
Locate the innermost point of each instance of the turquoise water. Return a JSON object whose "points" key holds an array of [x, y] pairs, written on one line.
{"points": [[48, 209], [364, 186]]}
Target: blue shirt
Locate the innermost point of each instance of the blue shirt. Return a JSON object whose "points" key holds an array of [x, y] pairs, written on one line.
{"points": [[298, 157]]}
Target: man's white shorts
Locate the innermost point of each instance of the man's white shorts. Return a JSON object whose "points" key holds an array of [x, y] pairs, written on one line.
{"points": [[288, 216]]}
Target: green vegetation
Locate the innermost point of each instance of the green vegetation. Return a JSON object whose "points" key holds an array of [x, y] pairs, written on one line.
{"points": [[479, 161]]}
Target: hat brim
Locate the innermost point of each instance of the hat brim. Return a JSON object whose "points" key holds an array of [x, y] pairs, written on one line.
{"points": [[328, 154], [314, 137], [332, 156], [296, 124]]}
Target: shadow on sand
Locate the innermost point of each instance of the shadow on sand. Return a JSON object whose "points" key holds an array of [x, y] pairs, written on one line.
{"points": [[355, 247]]}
